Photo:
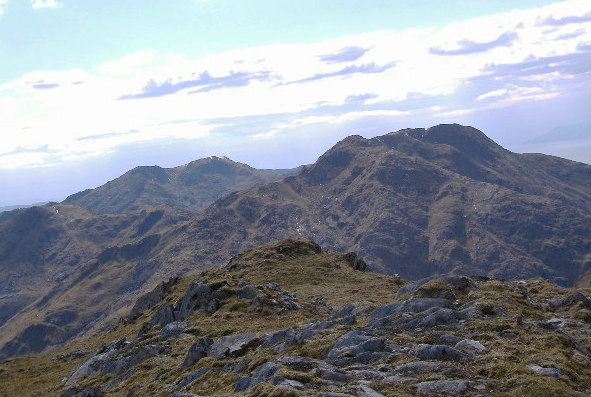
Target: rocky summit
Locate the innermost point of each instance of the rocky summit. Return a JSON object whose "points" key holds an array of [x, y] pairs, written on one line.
{"points": [[290, 319]]}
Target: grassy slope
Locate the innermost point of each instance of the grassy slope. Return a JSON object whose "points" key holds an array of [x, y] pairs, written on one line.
{"points": [[327, 277]]}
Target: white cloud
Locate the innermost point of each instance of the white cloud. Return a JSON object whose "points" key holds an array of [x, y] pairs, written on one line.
{"points": [[501, 58], [2, 5], [45, 4]]}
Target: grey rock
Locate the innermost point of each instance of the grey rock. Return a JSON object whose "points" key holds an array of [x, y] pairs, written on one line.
{"points": [[333, 375], [173, 329], [199, 297], [235, 345], [137, 356], [368, 374], [191, 377], [283, 299], [266, 370], [197, 351], [439, 353], [291, 384], [77, 353], [311, 330], [570, 300], [246, 382], [428, 318], [96, 363], [470, 346], [329, 394], [90, 392], [161, 317], [355, 346], [398, 379], [451, 387], [355, 261], [150, 299], [549, 371], [415, 305], [366, 391], [417, 367], [283, 335], [444, 339]]}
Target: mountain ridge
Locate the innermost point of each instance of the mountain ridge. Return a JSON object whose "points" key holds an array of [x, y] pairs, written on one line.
{"points": [[415, 202], [192, 186]]}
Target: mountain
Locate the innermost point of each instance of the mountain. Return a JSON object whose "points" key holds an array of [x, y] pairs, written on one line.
{"points": [[43, 247], [192, 186], [417, 202], [291, 319]]}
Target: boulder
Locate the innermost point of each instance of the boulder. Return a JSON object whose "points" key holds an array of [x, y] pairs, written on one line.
{"points": [[173, 329], [192, 376], [440, 353], [355, 346], [570, 300], [197, 351], [95, 363], [418, 367], [366, 391], [415, 305], [470, 346], [235, 345], [549, 371], [450, 387], [428, 318]]}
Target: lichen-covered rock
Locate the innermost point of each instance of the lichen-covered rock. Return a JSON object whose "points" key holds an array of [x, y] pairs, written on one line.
{"points": [[440, 353], [235, 345], [355, 346], [445, 387], [96, 363], [173, 330], [197, 351], [470, 346], [549, 371], [415, 305]]}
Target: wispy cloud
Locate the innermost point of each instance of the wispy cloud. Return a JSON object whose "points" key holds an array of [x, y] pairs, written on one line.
{"points": [[346, 54], [45, 86], [551, 21], [205, 80], [349, 84], [466, 46], [368, 68]]}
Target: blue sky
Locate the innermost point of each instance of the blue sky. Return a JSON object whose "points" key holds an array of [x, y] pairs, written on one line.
{"points": [[90, 89]]}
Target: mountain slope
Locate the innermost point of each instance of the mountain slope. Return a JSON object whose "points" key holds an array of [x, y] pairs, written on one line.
{"points": [[417, 202], [192, 186], [291, 319], [44, 248], [414, 202]]}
